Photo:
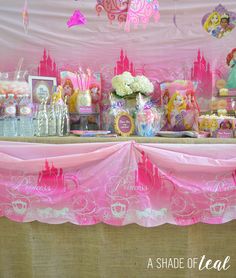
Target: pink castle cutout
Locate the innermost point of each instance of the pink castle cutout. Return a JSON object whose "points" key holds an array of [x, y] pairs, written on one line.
{"points": [[201, 72], [124, 65], [147, 173], [51, 177], [47, 67], [55, 179]]}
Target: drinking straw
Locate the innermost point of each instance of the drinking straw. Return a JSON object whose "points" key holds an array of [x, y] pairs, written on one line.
{"points": [[89, 77], [84, 81], [82, 75], [77, 79], [18, 69]]}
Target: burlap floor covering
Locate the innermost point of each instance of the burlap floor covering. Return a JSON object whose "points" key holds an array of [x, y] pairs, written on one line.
{"points": [[68, 251]]}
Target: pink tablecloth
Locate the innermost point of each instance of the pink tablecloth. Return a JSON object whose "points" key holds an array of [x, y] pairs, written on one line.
{"points": [[118, 183]]}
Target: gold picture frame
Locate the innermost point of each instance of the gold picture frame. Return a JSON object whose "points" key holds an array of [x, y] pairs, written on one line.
{"points": [[124, 124], [41, 87]]}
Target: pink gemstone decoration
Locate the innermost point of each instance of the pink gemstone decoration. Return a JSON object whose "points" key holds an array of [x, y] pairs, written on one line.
{"points": [[130, 12], [76, 19]]}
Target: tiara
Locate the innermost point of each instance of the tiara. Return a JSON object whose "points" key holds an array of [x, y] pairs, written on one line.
{"points": [[225, 16]]}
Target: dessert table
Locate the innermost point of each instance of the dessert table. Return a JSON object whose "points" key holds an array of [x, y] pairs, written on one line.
{"points": [[76, 139], [191, 181]]}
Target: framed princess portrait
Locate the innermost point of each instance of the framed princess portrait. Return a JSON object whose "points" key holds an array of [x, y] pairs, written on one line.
{"points": [[42, 87]]}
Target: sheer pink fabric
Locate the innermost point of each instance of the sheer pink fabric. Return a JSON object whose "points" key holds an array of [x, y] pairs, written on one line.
{"points": [[118, 183]]}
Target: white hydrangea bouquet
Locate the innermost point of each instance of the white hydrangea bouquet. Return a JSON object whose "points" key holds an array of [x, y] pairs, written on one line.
{"points": [[127, 86], [123, 97]]}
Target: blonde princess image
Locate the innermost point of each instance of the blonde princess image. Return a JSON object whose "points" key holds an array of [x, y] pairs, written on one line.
{"points": [[202, 124], [214, 125], [205, 124], [212, 23], [176, 111]]}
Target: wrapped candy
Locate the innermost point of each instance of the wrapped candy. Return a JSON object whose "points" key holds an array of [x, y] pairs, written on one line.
{"points": [[145, 123], [148, 119], [117, 105]]}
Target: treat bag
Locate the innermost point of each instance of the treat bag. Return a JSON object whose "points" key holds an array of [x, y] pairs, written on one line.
{"points": [[181, 110], [117, 105], [176, 112], [147, 118]]}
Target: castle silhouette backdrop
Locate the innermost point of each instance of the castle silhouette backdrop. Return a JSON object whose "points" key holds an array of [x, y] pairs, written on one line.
{"points": [[48, 67]]}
